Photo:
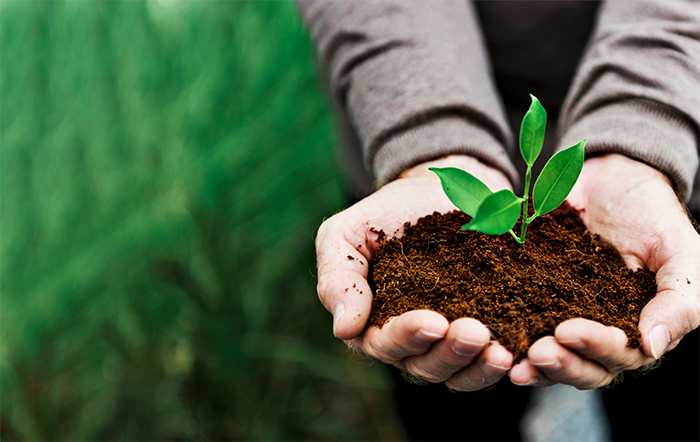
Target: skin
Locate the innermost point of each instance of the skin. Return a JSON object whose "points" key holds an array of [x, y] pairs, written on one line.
{"points": [[582, 353], [633, 207], [421, 342]]}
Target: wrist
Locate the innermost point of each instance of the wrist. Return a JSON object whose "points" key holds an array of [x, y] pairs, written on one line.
{"points": [[622, 173], [614, 163], [492, 177]]}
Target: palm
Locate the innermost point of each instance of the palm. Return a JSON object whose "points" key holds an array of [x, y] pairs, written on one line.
{"points": [[422, 342], [633, 208]]}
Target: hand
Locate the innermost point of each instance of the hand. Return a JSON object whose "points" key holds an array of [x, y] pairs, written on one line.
{"points": [[632, 207], [421, 342]]}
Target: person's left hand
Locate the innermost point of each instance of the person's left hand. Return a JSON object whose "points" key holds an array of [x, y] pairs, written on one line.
{"points": [[632, 207]]}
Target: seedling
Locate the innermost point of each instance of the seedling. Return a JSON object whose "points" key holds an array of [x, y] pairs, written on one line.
{"points": [[496, 213]]}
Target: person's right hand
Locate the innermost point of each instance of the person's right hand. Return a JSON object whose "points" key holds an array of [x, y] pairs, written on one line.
{"points": [[421, 342]]}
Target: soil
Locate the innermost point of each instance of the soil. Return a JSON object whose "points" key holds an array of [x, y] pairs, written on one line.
{"points": [[520, 294]]}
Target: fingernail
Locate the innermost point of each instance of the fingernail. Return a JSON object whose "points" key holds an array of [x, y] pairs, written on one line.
{"points": [[659, 338], [337, 311], [534, 382], [492, 369], [573, 343], [426, 337], [530, 382], [466, 348], [552, 366]]}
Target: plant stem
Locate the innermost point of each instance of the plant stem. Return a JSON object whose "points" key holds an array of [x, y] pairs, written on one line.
{"points": [[517, 238], [523, 231], [526, 203]]}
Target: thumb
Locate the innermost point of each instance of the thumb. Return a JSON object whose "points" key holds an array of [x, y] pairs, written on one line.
{"points": [[350, 305], [674, 312], [342, 280]]}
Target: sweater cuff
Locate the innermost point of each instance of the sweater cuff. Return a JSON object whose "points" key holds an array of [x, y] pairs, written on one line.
{"points": [[448, 136], [644, 130]]}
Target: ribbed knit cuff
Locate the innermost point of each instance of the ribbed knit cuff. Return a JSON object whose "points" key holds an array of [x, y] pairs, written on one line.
{"points": [[448, 136], [646, 131]]}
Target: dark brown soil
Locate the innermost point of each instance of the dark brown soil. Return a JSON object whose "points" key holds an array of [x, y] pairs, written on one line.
{"points": [[521, 294]]}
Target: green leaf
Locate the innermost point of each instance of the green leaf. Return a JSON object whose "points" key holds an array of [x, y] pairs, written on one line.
{"points": [[497, 214], [558, 178], [462, 188], [532, 131]]}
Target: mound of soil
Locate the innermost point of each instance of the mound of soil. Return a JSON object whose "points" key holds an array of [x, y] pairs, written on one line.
{"points": [[520, 294]]}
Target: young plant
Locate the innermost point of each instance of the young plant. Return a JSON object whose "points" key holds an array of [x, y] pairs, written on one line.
{"points": [[496, 213]]}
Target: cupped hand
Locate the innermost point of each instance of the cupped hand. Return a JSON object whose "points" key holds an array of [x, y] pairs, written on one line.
{"points": [[634, 208], [422, 342]]}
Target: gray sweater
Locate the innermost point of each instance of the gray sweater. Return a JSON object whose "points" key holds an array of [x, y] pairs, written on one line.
{"points": [[417, 80]]}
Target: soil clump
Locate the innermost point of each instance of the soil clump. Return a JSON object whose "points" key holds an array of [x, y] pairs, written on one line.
{"points": [[520, 294]]}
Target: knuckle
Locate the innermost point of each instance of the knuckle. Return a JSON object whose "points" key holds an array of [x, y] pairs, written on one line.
{"points": [[370, 350], [584, 378], [324, 270], [598, 383], [587, 387], [454, 386], [376, 351], [614, 380], [618, 366], [411, 379], [593, 384], [421, 373], [355, 351], [461, 384], [324, 288], [326, 282]]}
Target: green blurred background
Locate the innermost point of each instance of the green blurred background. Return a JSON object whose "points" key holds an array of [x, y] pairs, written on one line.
{"points": [[164, 168]]}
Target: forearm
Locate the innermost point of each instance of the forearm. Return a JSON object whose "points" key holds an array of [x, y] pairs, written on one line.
{"points": [[637, 91], [414, 80]]}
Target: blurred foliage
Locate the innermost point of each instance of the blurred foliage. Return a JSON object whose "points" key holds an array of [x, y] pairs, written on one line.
{"points": [[164, 168]]}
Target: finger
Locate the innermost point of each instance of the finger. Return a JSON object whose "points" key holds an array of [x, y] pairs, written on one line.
{"points": [[465, 339], [412, 333], [674, 312], [605, 345], [525, 374], [491, 365], [342, 277], [564, 366]]}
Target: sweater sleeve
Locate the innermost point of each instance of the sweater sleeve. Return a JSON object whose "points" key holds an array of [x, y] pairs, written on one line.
{"points": [[637, 89], [414, 80]]}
